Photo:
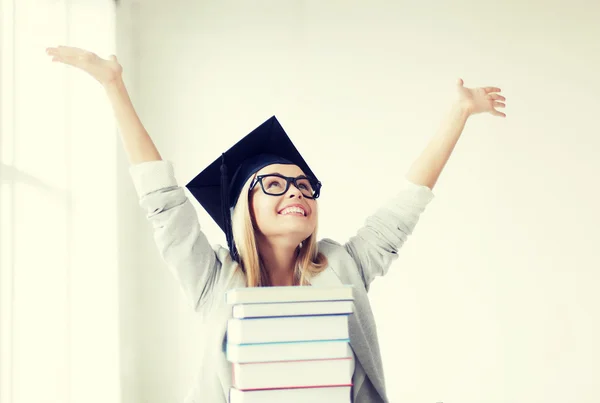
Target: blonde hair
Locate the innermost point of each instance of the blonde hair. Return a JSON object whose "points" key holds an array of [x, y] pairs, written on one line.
{"points": [[309, 261]]}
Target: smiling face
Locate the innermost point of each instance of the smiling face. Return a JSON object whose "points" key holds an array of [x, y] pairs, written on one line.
{"points": [[290, 215]]}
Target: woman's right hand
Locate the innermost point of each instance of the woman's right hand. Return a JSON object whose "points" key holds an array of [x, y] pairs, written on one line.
{"points": [[105, 71]]}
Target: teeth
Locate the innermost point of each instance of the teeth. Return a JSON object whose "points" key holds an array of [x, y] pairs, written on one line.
{"points": [[292, 210]]}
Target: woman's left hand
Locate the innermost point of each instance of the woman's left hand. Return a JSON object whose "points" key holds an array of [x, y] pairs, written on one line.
{"points": [[479, 100]]}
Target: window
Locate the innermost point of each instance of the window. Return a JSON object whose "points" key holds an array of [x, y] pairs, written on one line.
{"points": [[58, 295]]}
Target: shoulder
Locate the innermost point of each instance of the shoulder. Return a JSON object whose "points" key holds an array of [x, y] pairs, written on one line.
{"points": [[222, 254], [332, 248], [340, 261], [231, 275]]}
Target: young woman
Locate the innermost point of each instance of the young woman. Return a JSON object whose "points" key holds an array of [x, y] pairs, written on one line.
{"points": [[264, 196]]}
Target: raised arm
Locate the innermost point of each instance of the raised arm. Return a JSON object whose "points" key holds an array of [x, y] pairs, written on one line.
{"points": [[429, 165], [377, 243], [138, 144], [177, 234], [108, 72]]}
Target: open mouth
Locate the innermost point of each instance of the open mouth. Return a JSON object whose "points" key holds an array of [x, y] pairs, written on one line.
{"points": [[293, 210]]}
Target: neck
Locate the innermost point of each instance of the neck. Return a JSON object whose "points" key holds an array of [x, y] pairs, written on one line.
{"points": [[279, 261]]}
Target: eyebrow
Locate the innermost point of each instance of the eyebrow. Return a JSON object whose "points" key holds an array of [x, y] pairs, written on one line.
{"points": [[279, 173]]}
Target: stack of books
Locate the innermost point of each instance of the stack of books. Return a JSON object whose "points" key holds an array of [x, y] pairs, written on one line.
{"points": [[290, 344]]}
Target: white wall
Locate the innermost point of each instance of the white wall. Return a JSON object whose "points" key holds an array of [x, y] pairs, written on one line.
{"points": [[493, 298], [129, 219]]}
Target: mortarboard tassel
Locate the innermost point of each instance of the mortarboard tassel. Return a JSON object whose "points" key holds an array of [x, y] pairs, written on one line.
{"points": [[225, 208]]}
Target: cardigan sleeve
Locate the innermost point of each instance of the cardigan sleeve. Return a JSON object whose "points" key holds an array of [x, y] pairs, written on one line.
{"points": [[375, 246], [177, 234]]}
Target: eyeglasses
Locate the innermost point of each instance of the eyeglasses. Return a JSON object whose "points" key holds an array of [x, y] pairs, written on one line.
{"points": [[276, 185]]}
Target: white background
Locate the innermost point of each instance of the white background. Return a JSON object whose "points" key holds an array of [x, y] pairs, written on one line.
{"points": [[493, 298]]}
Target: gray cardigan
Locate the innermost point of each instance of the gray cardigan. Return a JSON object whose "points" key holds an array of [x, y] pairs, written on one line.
{"points": [[205, 273]]}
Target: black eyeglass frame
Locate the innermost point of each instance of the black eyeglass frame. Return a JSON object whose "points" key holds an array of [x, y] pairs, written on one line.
{"points": [[288, 180]]}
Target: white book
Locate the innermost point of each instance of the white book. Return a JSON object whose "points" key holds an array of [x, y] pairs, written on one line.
{"points": [[288, 328], [310, 350], [293, 374], [336, 394], [254, 295], [292, 309]]}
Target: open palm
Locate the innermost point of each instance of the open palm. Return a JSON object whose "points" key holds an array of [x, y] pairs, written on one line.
{"points": [[481, 99], [104, 71]]}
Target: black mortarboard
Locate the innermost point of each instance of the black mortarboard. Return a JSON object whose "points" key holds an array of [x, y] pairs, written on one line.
{"points": [[218, 187]]}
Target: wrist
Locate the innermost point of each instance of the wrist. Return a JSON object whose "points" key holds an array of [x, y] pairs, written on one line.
{"points": [[114, 84], [462, 108]]}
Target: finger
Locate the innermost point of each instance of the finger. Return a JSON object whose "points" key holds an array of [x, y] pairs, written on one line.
{"points": [[70, 50], [72, 53], [491, 89], [62, 51], [499, 104], [59, 59], [496, 97], [460, 82], [497, 113]]}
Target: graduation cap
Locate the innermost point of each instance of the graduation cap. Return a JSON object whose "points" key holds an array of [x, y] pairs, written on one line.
{"points": [[217, 188]]}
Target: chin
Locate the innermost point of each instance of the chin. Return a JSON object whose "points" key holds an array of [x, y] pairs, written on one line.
{"points": [[296, 233]]}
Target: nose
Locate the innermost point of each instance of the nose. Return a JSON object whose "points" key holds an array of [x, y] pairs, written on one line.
{"points": [[293, 191]]}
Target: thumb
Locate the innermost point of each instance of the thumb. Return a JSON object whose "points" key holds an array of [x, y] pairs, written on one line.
{"points": [[113, 58], [460, 82]]}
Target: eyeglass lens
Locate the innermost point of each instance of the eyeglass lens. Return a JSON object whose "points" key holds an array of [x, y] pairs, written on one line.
{"points": [[275, 185]]}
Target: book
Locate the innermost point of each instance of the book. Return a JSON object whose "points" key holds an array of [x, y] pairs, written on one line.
{"points": [[287, 329], [293, 374], [292, 351], [335, 394], [290, 344], [253, 295], [292, 309]]}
